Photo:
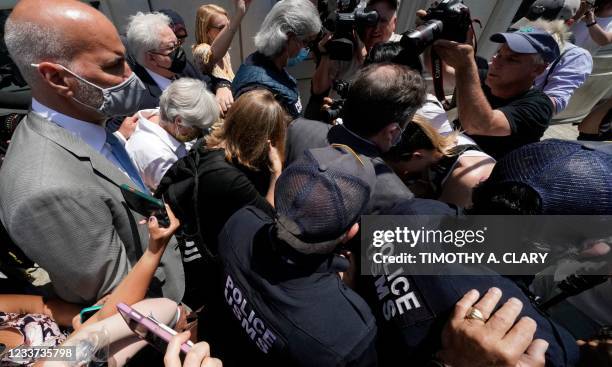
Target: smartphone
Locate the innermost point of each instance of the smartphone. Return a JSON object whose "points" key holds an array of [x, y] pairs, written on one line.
{"points": [[145, 204], [149, 329], [88, 312]]}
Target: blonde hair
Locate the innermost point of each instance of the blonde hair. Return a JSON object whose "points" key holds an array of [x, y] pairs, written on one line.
{"points": [[255, 118], [203, 19], [420, 134], [442, 144]]}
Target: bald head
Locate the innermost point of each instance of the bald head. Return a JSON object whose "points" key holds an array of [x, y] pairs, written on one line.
{"points": [[56, 31], [382, 94]]}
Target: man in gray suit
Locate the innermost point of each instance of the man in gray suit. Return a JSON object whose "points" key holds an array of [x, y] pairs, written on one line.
{"points": [[59, 185]]}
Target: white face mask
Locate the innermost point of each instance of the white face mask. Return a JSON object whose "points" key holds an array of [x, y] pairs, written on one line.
{"points": [[120, 100], [398, 138]]}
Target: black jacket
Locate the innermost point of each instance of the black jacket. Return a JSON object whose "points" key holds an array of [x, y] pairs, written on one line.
{"points": [[283, 312], [308, 134]]}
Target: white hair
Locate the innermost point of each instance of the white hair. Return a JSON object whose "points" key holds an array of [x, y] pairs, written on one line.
{"points": [[556, 28], [189, 99], [143, 33], [30, 43], [299, 17]]}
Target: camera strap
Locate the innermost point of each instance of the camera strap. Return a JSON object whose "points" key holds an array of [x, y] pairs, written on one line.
{"points": [[438, 72], [438, 79]]}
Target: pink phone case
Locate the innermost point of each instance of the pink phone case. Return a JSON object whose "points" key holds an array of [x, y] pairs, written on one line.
{"points": [[144, 327]]}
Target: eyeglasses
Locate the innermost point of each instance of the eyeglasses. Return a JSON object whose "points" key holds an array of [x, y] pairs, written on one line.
{"points": [[168, 51]]}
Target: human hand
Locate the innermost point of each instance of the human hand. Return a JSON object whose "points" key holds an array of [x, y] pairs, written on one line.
{"points": [[160, 236], [198, 356], [589, 16], [323, 42], [242, 6], [128, 126], [276, 163], [469, 341], [455, 54], [595, 352], [327, 103], [225, 99], [420, 14]]}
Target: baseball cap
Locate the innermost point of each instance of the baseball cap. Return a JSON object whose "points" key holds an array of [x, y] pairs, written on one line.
{"points": [[394, 4], [530, 40], [320, 196], [176, 21]]}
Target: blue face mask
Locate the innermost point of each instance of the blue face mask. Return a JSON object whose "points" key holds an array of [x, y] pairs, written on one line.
{"points": [[301, 56]]}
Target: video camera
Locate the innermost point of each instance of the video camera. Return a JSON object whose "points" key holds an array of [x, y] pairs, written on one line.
{"points": [[450, 20], [347, 18]]}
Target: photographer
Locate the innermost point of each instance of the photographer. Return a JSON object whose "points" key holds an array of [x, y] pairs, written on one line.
{"points": [[498, 107], [329, 70]]}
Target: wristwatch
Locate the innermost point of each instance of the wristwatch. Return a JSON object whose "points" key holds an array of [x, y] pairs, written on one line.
{"points": [[591, 24]]}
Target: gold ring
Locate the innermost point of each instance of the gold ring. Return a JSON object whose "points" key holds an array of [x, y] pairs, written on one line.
{"points": [[475, 314]]}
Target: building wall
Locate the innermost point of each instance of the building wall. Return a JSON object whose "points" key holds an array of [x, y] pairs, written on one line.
{"points": [[495, 16]]}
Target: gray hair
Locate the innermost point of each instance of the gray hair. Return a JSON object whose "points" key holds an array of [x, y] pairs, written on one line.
{"points": [[190, 100], [30, 43], [299, 17], [143, 33], [538, 59]]}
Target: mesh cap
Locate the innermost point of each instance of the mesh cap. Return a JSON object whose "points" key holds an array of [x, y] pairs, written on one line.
{"points": [[568, 177], [320, 196]]}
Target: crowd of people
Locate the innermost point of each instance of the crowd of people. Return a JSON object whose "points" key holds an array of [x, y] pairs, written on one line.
{"points": [[259, 261]]}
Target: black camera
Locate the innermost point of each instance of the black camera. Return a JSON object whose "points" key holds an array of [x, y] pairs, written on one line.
{"points": [[342, 23], [449, 19], [341, 87]]}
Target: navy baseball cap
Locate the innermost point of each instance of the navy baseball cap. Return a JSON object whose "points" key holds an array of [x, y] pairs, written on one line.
{"points": [[320, 196], [530, 40]]}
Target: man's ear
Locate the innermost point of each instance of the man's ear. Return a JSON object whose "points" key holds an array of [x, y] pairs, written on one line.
{"points": [[57, 78], [352, 232], [149, 57]]}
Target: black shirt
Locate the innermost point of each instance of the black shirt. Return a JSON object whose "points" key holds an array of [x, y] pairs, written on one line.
{"points": [[224, 188], [528, 114], [285, 309]]}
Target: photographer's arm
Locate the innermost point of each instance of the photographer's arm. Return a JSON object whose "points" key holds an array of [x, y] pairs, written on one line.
{"points": [[598, 34], [321, 79], [221, 44], [475, 113], [134, 286], [448, 72]]}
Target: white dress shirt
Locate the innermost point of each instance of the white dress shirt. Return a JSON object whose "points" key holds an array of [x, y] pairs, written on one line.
{"points": [[92, 134], [152, 149], [161, 81]]}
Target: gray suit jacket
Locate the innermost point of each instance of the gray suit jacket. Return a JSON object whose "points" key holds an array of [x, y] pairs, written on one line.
{"points": [[61, 204]]}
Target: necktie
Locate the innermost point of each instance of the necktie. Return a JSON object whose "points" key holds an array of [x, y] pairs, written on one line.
{"points": [[122, 157]]}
